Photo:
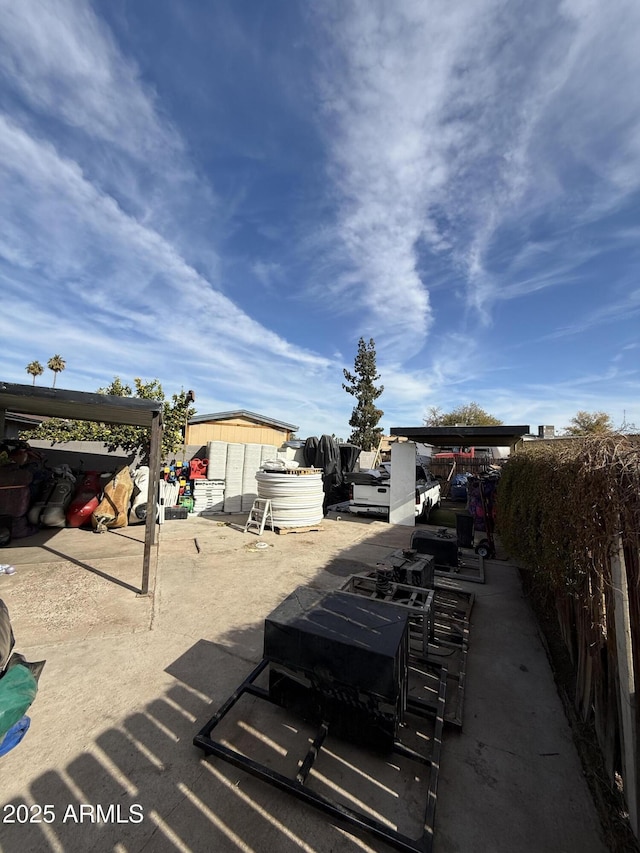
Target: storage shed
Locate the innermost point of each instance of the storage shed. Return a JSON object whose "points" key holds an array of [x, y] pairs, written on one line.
{"points": [[239, 427], [14, 424]]}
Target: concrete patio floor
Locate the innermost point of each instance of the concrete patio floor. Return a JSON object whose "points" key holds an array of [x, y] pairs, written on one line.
{"points": [[130, 680]]}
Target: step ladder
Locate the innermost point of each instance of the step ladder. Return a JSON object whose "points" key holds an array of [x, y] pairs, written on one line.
{"points": [[259, 516]]}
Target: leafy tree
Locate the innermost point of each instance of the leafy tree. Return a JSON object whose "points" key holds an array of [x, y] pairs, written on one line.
{"points": [[57, 364], [589, 423], [360, 384], [130, 438], [34, 368], [433, 417], [469, 414]]}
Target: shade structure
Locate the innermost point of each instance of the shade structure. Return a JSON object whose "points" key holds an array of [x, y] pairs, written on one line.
{"points": [[466, 436], [100, 408]]}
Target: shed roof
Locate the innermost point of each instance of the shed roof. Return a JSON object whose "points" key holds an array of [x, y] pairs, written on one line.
{"points": [[242, 413], [77, 405], [26, 420], [467, 436]]}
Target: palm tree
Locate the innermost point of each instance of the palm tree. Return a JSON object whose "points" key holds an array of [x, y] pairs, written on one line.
{"points": [[34, 368], [57, 364]]}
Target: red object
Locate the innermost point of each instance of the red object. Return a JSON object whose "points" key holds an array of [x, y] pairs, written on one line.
{"points": [[85, 501], [456, 454], [198, 469]]}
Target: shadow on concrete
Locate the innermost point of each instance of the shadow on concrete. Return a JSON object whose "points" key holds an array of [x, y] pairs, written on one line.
{"points": [[120, 532], [79, 546], [105, 575], [192, 804], [161, 795], [36, 540]]}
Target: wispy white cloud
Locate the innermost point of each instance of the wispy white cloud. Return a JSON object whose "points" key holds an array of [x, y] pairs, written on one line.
{"points": [[565, 166], [386, 88], [482, 146], [408, 92], [448, 123], [615, 309], [266, 272], [63, 60], [544, 397], [122, 272], [102, 248]]}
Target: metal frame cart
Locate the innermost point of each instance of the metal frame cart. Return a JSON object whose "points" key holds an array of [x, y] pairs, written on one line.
{"points": [[340, 670]]}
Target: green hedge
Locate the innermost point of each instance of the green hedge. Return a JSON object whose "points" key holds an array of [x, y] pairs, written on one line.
{"points": [[561, 502]]}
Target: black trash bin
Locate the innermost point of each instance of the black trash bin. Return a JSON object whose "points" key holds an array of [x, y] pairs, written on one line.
{"points": [[464, 530], [6, 523]]}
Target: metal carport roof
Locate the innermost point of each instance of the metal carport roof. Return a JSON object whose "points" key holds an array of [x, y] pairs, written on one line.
{"points": [[103, 408], [466, 436], [77, 405]]}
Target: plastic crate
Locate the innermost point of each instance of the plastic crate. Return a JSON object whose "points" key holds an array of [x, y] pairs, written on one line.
{"points": [[171, 513]]}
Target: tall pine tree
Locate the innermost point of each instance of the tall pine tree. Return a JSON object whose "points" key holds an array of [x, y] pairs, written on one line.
{"points": [[365, 416]]}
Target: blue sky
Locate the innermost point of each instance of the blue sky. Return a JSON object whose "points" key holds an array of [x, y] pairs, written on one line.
{"points": [[227, 195]]}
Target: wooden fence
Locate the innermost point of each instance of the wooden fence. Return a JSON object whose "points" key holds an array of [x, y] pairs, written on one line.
{"points": [[445, 469], [601, 630], [575, 521]]}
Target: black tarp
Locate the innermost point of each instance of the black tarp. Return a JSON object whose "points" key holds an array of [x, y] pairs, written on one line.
{"points": [[349, 454], [335, 460], [328, 458], [310, 450]]}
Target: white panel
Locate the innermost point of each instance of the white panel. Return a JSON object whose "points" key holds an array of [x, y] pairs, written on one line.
{"points": [[208, 496], [208, 485], [252, 458], [217, 456], [233, 479], [268, 452], [402, 509]]}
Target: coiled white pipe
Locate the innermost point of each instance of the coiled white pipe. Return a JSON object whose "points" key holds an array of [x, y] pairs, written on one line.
{"points": [[296, 501]]}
